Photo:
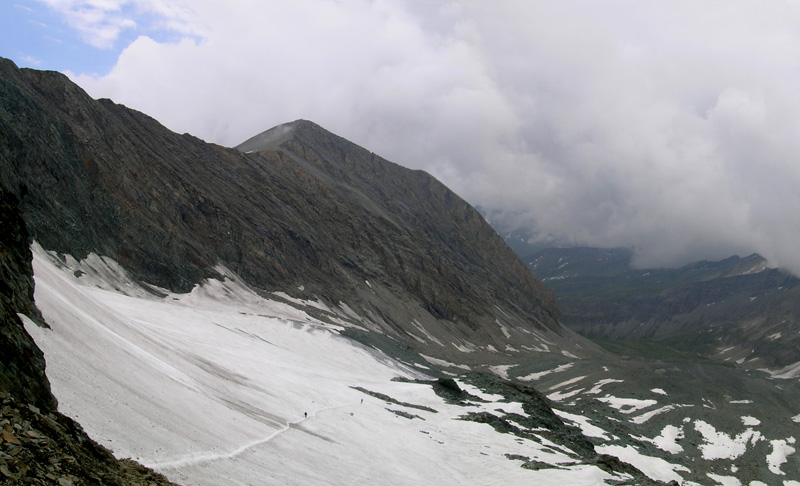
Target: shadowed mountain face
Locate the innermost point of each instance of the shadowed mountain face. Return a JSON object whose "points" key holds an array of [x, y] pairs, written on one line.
{"points": [[306, 213], [391, 224]]}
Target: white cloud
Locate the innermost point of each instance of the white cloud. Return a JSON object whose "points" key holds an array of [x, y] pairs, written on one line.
{"points": [[101, 22], [98, 21], [33, 61], [668, 126]]}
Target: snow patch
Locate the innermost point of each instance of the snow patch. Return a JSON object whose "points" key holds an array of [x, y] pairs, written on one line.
{"points": [[653, 467], [504, 329], [584, 424], [303, 302], [501, 370], [465, 348], [750, 421], [724, 480], [567, 382], [719, 445], [558, 396], [100, 272], [598, 387], [537, 349], [627, 405], [443, 363], [668, 440], [780, 451], [787, 372], [640, 419], [349, 312], [428, 335], [540, 374]]}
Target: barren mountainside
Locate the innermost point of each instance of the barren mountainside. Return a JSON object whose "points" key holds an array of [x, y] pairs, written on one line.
{"points": [[308, 214]]}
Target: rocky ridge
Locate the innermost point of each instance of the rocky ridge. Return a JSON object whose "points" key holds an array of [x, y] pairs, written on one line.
{"points": [[307, 217]]}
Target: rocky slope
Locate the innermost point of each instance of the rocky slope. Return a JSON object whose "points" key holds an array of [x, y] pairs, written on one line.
{"points": [[307, 214]]}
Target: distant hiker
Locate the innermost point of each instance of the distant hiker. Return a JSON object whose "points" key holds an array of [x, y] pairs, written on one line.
{"points": [[362, 400], [305, 414]]}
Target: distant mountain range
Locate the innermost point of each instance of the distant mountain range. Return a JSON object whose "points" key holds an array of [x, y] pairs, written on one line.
{"points": [[736, 310]]}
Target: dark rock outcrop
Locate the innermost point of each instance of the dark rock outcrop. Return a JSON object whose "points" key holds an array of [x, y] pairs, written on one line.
{"points": [[22, 365], [48, 448]]}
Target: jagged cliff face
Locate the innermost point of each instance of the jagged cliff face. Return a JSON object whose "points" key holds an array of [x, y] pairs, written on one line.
{"points": [[22, 372], [306, 213]]}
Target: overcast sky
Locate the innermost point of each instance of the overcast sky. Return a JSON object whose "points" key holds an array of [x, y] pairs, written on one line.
{"points": [[672, 127]]}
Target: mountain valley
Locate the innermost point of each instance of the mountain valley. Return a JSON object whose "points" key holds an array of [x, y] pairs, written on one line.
{"points": [[736, 310]]}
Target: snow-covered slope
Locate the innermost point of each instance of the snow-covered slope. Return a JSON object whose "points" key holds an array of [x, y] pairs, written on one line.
{"points": [[221, 384]]}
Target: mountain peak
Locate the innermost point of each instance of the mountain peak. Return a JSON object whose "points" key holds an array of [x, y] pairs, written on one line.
{"points": [[275, 136]]}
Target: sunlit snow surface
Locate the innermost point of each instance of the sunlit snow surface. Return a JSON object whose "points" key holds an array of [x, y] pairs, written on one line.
{"points": [[213, 387]]}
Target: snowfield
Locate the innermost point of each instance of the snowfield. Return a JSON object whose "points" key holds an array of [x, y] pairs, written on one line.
{"points": [[223, 386]]}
